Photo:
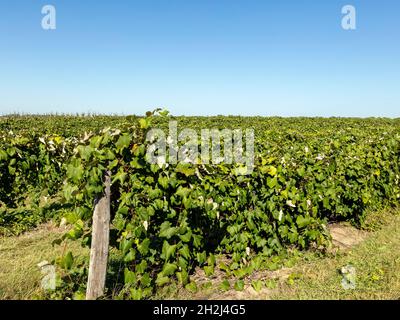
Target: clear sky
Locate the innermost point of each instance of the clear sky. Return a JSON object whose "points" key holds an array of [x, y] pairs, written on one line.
{"points": [[201, 57]]}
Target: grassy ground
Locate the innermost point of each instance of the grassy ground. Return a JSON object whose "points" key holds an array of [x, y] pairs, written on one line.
{"points": [[376, 261], [20, 276]]}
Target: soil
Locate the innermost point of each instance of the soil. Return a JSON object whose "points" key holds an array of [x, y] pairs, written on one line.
{"points": [[345, 236]]}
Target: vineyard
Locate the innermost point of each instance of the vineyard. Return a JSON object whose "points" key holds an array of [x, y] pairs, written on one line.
{"points": [[168, 220]]}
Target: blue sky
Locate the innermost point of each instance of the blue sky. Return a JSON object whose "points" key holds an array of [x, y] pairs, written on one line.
{"points": [[286, 58]]}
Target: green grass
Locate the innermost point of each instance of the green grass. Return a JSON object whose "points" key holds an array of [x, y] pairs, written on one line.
{"points": [[20, 276]]}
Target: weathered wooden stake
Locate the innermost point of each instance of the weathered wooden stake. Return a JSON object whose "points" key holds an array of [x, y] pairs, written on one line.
{"points": [[99, 246]]}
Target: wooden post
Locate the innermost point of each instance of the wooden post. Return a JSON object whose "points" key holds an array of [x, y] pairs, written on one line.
{"points": [[99, 245]]}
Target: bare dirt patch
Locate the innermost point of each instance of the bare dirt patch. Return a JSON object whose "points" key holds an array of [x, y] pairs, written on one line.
{"points": [[345, 236]]}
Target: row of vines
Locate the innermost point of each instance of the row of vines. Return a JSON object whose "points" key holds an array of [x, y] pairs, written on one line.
{"points": [[169, 219]]}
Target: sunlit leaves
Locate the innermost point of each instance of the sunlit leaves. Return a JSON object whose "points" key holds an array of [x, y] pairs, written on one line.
{"points": [[123, 142], [169, 220], [75, 172]]}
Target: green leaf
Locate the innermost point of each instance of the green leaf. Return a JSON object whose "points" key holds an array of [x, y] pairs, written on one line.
{"points": [[303, 221], [271, 170], [201, 257], [145, 280], [130, 256], [3, 155], [141, 267], [211, 260], [144, 246], [186, 237], [136, 163], [191, 286], [166, 231], [239, 285], [187, 203], [224, 267], [182, 192], [125, 245], [185, 251], [162, 280], [68, 260], [272, 182], [183, 276], [257, 285], [75, 172], [197, 240], [185, 169], [164, 182], [167, 250], [144, 123], [209, 270], [136, 294], [85, 152], [129, 277], [123, 142], [74, 233], [225, 285], [119, 176], [169, 269]]}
